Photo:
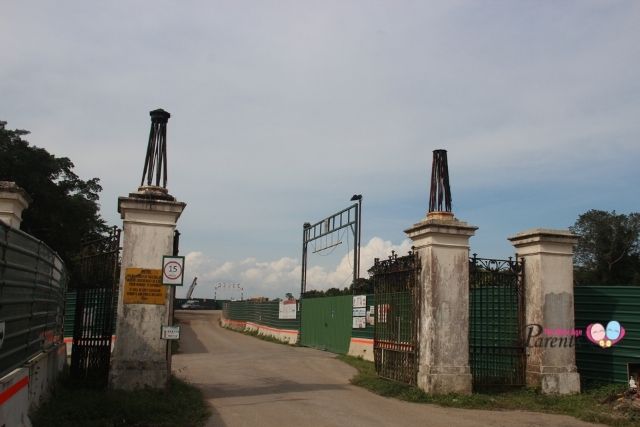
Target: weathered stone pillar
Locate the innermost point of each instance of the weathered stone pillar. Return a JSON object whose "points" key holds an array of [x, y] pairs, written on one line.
{"points": [[442, 243], [13, 200], [548, 279], [140, 357]]}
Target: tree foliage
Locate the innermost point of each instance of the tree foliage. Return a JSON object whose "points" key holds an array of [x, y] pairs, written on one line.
{"points": [[360, 287], [608, 250], [65, 208]]}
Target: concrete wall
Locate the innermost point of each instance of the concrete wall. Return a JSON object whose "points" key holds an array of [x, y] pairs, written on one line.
{"points": [[289, 336], [361, 347], [25, 388]]}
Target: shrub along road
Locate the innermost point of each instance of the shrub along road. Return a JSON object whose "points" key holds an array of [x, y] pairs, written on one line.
{"points": [[251, 382]]}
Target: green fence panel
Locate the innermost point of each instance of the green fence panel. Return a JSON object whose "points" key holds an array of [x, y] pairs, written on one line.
{"points": [[32, 284], [601, 304], [327, 322], [262, 313]]}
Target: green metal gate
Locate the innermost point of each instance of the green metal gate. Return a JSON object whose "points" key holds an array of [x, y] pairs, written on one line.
{"points": [[397, 315], [95, 280], [496, 322], [327, 322]]}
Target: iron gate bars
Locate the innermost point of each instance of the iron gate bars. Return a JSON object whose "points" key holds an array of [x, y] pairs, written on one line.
{"points": [[95, 279], [496, 322], [397, 311]]}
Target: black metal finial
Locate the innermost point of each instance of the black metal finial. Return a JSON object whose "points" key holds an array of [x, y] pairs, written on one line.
{"points": [[155, 164], [440, 197]]}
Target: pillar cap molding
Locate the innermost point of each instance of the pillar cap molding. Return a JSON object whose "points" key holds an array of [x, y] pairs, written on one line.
{"points": [[13, 201], [128, 205], [430, 226], [152, 192], [536, 236], [17, 193]]}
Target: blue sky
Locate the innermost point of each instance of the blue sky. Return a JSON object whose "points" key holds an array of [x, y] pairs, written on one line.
{"points": [[281, 110]]}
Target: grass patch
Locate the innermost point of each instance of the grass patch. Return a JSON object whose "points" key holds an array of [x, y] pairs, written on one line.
{"points": [[598, 405], [180, 405]]}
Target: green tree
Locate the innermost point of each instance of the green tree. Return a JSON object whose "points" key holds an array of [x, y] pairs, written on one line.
{"points": [[608, 250], [362, 286], [65, 208]]}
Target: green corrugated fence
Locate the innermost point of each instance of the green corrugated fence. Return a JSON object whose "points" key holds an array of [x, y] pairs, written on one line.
{"points": [[262, 313], [601, 304], [326, 323], [32, 284]]}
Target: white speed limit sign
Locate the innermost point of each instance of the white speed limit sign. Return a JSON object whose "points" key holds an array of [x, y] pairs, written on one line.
{"points": [[172, 270]]}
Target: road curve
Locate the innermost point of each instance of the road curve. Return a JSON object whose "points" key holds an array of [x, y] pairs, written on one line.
{"points": [[250, 382]]}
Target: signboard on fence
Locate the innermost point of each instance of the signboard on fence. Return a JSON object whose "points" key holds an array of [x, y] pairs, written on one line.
{"points": [[359, 322], [287, 309], [359, 311], [359, 301], [144, 286]]}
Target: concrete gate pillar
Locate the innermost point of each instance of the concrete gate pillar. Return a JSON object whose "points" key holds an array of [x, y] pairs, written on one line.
{"points": [[140, 358], [13, 200], [442, 243], [548, 279]]}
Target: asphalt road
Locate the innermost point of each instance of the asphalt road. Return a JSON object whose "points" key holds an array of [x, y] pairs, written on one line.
{"points": [[250, 382]]}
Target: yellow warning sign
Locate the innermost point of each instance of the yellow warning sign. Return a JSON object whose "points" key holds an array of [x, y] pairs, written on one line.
{"points": [[144, 286]]}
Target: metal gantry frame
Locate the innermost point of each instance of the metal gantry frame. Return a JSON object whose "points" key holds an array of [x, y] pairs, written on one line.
{"points": [[350, 217], [228, 285]]}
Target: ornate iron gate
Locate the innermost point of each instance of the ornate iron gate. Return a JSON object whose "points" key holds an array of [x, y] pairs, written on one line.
{"points": [[95, 278], [496, 322], [397, 311]]}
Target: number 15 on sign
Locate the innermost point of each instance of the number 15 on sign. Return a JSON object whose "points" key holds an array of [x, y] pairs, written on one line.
{"points": [[172, 270]]}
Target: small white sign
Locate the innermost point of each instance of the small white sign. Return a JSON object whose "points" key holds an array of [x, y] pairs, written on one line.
{"points": [[359, 322], [172, 270], [359, 301], [287, 309], [170, 333], [1, 333], [360, 312]]}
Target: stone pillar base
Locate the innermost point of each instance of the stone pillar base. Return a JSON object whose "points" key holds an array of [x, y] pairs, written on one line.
{"points": [[558, 382], [126, 375], [445, 383]]}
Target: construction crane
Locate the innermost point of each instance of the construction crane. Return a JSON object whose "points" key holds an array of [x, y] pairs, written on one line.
{"points": [[192, 287], [191, 303]]}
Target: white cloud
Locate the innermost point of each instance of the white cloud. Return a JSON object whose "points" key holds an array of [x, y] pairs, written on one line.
{"points": [[277, 277]]}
